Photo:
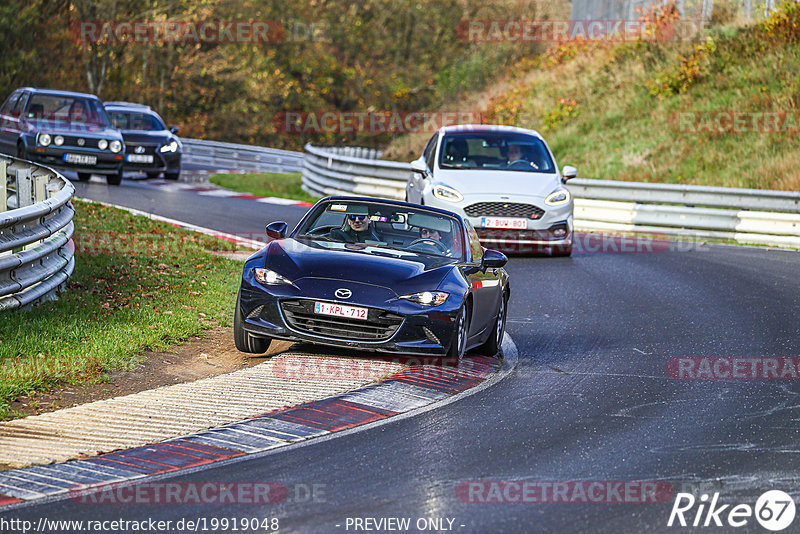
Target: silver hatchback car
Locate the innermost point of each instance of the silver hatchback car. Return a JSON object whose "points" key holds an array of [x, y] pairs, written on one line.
{"points": [[504, 181]]}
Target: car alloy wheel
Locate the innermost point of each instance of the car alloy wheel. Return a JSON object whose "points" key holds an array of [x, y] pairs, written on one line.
{"points": [[500, 327], [459, 344]]}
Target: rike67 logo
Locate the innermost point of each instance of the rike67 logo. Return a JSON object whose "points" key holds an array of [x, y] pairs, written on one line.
{"points": [[774, 510]]}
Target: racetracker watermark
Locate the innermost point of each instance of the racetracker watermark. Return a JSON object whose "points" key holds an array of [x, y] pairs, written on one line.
{"points": [[514, 242], [434, 367], [370, 122], [180, 493], [562, 31], [732, 368], [734, 122], [202, 32], [573, 491]]}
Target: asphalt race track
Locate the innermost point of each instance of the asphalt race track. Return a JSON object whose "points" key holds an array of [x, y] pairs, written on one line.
{"points": [[592, 400]]}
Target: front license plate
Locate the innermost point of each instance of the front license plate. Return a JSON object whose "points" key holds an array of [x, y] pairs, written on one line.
{"points": [[139, 158], [80, 159], [504, 222], [351, 312]]}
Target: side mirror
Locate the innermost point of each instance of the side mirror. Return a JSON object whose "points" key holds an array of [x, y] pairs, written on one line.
{"points": [[418, 165], [493, 259], [568, 173], [276, 230], [173, 129]]}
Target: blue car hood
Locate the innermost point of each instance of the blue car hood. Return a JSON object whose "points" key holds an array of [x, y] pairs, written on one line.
{"points": [[301, 259]]}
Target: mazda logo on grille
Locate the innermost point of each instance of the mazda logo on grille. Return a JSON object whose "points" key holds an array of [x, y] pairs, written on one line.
{"points": [[81, 141], [139, 150], [343, 293]]}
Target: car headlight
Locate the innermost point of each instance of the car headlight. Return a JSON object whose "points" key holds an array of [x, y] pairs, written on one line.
{"points": [[443, 192], [270, 278], [558, 197], [44, 139], [102, 144], [172, 146], [427, 298], [58, 140], [115, 146]]}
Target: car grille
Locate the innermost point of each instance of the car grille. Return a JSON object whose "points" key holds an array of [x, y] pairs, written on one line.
{"points": [[88, 142], [504, 209], [148, 149], [380, 325]]}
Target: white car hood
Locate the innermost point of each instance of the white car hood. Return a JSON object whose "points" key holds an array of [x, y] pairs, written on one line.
{"points": [[506, 183]]}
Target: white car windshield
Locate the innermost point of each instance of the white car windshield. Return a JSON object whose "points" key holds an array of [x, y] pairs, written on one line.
{"points": [[495, 150]]}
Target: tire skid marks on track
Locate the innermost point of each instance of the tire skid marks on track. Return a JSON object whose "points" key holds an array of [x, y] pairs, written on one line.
{"points": [[411, 388]]}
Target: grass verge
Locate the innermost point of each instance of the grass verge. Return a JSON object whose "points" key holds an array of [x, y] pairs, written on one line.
{"points": [[138, 285], [266, 184]]}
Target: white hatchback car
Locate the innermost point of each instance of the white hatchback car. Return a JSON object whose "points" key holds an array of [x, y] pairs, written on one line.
{"points": [[504, 180]]}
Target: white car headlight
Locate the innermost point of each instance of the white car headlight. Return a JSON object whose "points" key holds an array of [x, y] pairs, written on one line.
{"points": [[270, 278], [427, 298], [172, 146], [102, 144], [58, 140], [559, 197], [115, 146], [44, 139], [443, 192]]}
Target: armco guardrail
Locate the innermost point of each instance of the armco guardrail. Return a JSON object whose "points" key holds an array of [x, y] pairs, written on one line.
{"points": [[36, 249], [240, 157], [332, 171], [744, 215]]}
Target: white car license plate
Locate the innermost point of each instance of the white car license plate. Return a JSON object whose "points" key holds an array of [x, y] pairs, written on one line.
{"points": [[139, 158], [504, 222], [351, 312], [80, 159]]}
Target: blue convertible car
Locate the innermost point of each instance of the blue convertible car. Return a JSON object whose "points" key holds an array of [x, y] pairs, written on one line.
{"points": [[374, 275]]}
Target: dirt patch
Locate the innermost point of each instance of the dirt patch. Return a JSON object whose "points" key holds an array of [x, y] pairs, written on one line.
{"points": [[200, 357]]}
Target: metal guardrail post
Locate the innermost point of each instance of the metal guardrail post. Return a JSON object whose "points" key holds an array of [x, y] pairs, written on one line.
{"points": [[3, 187]]}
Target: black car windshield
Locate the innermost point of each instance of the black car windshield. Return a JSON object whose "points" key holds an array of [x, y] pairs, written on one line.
{"points": [[372, 226], [67, 110], [136, 120], [507, 151]]}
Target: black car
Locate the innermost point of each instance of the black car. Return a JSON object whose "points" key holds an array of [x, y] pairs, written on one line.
{"points": [[150, 146], [377, 275], [62, 129]]}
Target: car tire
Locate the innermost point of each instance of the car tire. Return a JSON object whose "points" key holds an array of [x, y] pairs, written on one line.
{"points": [[114, 179], [172, 175], [21, 151], [84, 176], [492, 345], [153, 174], [244, 341], [460, 333]]}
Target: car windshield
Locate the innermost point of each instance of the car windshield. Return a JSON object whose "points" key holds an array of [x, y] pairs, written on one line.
{"points": [[136, 120], [381, 229], [507, 151], [67, 109]]}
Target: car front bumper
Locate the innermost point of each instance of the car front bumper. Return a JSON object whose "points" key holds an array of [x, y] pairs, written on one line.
{"points": [[422, 331], [551, 232], [53, 156], [162, 162]]}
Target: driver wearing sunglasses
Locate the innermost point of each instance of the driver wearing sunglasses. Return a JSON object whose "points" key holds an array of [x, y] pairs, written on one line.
{"points": [[356, 228]]}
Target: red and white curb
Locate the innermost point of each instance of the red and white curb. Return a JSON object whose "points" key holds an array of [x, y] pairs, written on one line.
{"points": [[415, 387]]}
